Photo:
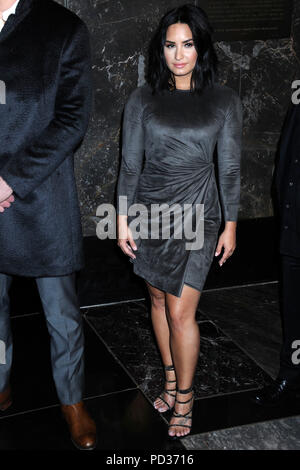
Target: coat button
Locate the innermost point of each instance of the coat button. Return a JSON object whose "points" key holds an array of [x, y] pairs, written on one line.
{"points": [[291, 183], [286, 226], [296, 161], [287, 206]]}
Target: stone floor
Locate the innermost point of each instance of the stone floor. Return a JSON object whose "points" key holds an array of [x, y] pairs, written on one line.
{"points": [[240, 341]]}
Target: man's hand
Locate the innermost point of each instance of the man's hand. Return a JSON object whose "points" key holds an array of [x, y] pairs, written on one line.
{"points": [[5, 190], [7, 203]]}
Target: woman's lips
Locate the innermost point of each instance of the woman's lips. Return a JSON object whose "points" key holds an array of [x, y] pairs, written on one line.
{"points": [[179, 66]]}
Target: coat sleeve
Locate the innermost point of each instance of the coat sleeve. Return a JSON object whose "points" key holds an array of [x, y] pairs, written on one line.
{"points": [[133, 147], [30, 166], [229, 156], [283, 154]]}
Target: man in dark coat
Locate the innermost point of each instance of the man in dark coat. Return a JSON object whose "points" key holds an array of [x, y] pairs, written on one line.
{"points": [[287, 184], [45, 66]]}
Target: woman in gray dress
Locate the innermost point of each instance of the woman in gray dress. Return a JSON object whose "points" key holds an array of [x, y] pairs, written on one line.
{"points": [[171, 127]]}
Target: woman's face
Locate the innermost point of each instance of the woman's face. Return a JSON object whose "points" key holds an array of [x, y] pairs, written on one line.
{"points": [[179, 50]]}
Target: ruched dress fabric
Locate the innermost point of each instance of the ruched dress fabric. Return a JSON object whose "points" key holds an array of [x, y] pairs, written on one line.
{"points": [[168, 146]]}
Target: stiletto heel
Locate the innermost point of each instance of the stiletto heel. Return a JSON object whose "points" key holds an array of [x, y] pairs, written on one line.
{"points": [[167, 390], [186, 416]]}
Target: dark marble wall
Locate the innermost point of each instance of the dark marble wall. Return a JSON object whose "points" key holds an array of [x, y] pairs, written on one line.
{"points": [[261, 72]]}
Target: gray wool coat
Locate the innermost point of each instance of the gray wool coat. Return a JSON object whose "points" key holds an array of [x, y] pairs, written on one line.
{"points": [[45, 63]]}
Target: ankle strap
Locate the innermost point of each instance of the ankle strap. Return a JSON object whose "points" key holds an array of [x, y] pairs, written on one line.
{"points": [[186, 390], [171, 367]]}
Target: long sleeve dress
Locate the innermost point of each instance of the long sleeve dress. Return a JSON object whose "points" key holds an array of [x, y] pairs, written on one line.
{"points": [[168, 144]]}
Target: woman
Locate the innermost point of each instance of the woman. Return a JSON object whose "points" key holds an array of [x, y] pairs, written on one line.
{"points": [[175, 122]]}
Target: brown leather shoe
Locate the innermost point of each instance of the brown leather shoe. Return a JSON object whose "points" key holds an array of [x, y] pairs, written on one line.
{"points": [[5, 399], [81, 426]]}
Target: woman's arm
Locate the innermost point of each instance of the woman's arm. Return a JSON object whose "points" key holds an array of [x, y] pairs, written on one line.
{"points": [[131, 166], [229, 156], [132, 151]]}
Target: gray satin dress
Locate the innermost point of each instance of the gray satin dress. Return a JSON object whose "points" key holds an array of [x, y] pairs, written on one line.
{"points": [[167, 158]]}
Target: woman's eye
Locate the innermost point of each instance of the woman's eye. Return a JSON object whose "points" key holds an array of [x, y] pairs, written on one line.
{"points": [[189, 44], [169, 46]]}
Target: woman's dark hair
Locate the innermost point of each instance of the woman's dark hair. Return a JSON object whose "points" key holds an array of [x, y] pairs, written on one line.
{"points": [[159, 76]]}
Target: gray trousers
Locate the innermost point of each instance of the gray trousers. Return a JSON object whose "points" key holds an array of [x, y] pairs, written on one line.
{"points": [[64, 323]]}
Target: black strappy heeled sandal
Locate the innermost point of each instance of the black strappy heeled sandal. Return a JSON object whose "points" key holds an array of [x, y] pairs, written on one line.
{"points": [[186, 416], [167, 390]]}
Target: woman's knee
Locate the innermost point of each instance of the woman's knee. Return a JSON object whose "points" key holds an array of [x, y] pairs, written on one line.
{"points": [[179, 319], [157, 297]]}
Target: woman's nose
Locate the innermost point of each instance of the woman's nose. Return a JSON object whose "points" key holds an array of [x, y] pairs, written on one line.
{"points": [[179, 53]]}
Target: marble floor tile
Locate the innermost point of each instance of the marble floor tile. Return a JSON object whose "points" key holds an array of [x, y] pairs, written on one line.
{"points": [[124, 420], [236, 409], [222, 367], [250, 316], [281, 434]]}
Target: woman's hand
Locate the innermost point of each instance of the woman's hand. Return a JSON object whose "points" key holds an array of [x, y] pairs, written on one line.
{"points": [[227, 240], [125, 239]]}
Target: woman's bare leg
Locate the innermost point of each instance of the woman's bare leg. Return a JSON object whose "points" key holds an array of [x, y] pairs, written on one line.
{"points": [[162, 334], [184, 345]]}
